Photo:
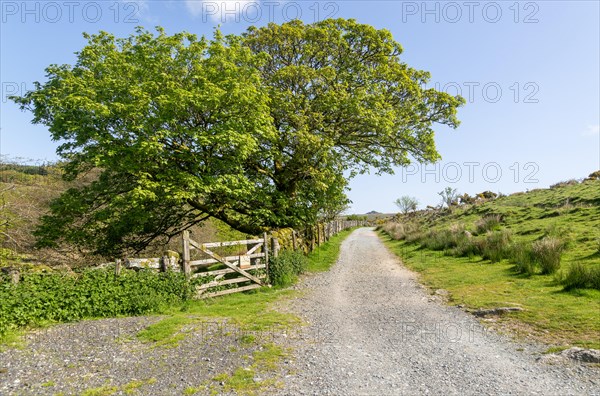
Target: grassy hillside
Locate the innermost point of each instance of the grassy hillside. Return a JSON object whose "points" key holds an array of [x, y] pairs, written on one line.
{"points": [[538, 250], [25, 194]]}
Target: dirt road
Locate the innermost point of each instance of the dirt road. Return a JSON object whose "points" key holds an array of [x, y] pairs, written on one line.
{"points": [[374, 331]]}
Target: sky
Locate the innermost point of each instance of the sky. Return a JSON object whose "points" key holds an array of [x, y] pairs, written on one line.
{"points": [[528, 70]]}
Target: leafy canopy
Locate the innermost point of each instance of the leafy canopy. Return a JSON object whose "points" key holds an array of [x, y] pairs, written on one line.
{"points": [[259, 130]]}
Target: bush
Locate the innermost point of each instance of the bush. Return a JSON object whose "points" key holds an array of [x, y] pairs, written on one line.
{"points": [[447, 240], [402, 231], [547, 253], [495, 246], [438, 240], [581, 276], [59, 297], [284, 269], [487, 223], [522, 255]]}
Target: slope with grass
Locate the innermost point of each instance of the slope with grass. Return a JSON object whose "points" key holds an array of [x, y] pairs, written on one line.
{"points": [[539, 251]]}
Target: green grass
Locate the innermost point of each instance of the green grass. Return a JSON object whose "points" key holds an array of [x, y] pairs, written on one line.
{"points": [[243, 381], [249, 311], [562, 308], [322, 258], [555, 316]]}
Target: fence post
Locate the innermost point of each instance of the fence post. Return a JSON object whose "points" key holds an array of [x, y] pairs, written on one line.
{"points": [[275, 246], [187, 270], [318, 234], [266, 250], [294, 241], [118, 267], [164, 263]]}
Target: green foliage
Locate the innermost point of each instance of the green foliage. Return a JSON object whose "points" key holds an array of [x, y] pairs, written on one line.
{"points": [[257, 130], [547, 254], [284, 269], [581, 276], [522, 256], [563, 306], [355, 217], [496, 246], [57, 297]]}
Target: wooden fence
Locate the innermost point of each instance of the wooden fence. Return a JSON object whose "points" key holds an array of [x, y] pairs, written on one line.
{"points": [[245, 270]]}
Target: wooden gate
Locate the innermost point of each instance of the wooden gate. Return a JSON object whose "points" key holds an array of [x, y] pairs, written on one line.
{"points": [[246, 266]]}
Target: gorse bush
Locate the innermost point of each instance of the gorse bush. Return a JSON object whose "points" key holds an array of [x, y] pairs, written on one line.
{"points": [[284, 269], [58, 297], [547, 254], [581, 276]]}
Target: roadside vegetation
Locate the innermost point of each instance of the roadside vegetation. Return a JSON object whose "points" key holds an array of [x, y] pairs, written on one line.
{"points": [[539, 251]]}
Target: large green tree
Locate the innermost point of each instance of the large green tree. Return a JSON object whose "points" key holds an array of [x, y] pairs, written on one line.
{"points": [[259, 130]]}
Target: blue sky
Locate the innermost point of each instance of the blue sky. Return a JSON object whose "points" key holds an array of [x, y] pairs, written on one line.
{"points": [[529, 71]]}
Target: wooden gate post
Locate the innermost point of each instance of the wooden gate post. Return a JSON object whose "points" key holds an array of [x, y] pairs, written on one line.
{"points": [[275, 247], [187, 270], [294, 241], [266, 250], [318, 234], [118, 267]]}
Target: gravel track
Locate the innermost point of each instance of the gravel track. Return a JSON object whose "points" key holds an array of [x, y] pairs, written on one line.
{"points": [[373, 330]]}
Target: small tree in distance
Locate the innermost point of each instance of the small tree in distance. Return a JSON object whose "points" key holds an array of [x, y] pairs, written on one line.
{"points": [[407, 204], [449, 196]]}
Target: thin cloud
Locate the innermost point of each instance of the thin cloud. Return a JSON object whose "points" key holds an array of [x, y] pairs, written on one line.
{"points": [[592, 130], [141, 10]]}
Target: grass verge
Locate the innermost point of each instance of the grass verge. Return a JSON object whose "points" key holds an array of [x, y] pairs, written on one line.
{"points": [[550, 313], [322, 258]]}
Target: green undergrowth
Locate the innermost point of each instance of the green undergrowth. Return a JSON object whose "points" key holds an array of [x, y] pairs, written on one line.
{"points": [[40, 299]]}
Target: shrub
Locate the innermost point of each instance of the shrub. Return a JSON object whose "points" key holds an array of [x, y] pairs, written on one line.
{"points": [[564, 183], [59, 297], [487, 223], [465, 247], [447, 240], [547, 253], [581, 276], [394, 230], [284, 269], [522, 255], [496, 246], [403, 231], [438, 240], [416, 236]]}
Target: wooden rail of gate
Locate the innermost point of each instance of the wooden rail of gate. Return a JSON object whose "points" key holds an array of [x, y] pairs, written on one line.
{"points": [[244, 265]]}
